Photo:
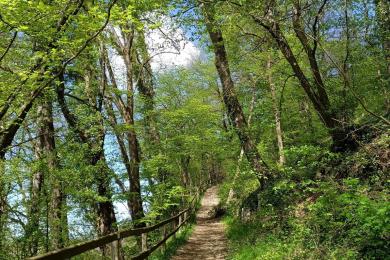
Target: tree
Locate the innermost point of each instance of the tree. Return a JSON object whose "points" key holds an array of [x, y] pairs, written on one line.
{"points": [[106, 221], [269, 18], [53, 48], [275, 105], [131, 155], [232, 104]]}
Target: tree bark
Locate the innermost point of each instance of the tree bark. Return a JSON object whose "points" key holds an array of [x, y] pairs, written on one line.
{"points": [[122, 149], [383, 17], [185, 164], [145, 86], [133, 144], [45, 151], [3, 201], [58, 214], [230, 97], [278, 124], [32, 227], [131, 156], [241, 156], [7, 135], [341, 138], [105, 209]]}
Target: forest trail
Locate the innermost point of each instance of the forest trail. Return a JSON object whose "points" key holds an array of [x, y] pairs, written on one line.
{"points": [[208, 240]]}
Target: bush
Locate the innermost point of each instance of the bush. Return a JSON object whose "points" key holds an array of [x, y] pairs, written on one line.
{"points": [[323, 206], [346, 215]]}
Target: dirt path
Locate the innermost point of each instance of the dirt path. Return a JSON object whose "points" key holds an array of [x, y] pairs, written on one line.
{"points": [[208, 240]]}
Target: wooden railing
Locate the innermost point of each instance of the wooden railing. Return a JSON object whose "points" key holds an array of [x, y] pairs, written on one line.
{"points": [[114, 238]]}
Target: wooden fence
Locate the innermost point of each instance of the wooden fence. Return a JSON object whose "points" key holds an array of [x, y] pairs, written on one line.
{"points": [[114, 238]]}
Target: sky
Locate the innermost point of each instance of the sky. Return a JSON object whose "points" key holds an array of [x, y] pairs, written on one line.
{"points": [[168, 47], [181, 53]]}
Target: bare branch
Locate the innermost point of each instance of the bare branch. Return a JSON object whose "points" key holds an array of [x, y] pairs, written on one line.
{"points": [[9, 46]]}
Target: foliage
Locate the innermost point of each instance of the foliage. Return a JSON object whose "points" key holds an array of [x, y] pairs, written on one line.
{"points": [[320, 218], [95, 137]]}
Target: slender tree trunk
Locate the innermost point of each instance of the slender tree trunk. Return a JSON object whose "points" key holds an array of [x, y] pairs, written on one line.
{"points": [[304, 107], [383, 19], [32, 228], [230, 98], [3, 200], [338, 130], [132, 157], [278, 125], [135, 159], [136, 209], [106, 214], [342, 140], [122, 148], [145, 87], [241, 156], [185, 164], [105, 209], [57, 207]]}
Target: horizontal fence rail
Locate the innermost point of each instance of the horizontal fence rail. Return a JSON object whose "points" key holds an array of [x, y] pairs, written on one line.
{"points": [[178, 221]]}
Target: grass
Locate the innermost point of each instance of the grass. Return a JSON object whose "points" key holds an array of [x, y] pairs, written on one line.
{"points": [[250, 241]]}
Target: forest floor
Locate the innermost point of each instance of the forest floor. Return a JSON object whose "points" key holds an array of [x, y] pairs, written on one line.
{"points": [[208, 240]]}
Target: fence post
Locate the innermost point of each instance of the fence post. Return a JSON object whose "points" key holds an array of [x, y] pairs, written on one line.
{"points": [[185, 216], [164, 245], [174, 225], [112, 245], [180, 219], [144, 242], [115, 250]]}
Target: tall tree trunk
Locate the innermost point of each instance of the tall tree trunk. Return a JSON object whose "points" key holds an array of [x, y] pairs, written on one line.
{"points": [[145, 87], [105, 209], [383, 19], [342, 140], [316, 91], [106, 214], [278, 125], [3, 201], [230, 98], [122, 148], [241, 156], [32, 228], [46, 152], [57, 207], [185, 164], [134, 150], [304, 108], [131, 157]]}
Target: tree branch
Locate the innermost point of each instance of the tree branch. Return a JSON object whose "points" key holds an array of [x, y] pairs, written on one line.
{"points": [[9, 46]]}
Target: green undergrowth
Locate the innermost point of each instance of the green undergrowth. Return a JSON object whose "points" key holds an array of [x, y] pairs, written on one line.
{"points": [[323, 207]]}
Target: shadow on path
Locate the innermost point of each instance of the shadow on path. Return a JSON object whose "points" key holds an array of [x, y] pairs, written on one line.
{"points": [[208, 240]]}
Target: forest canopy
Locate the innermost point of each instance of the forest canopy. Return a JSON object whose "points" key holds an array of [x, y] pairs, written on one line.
{"points": [[113, 113]]}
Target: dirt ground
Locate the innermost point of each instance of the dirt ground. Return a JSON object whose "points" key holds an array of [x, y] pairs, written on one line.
{"points": [[208, 240]]}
